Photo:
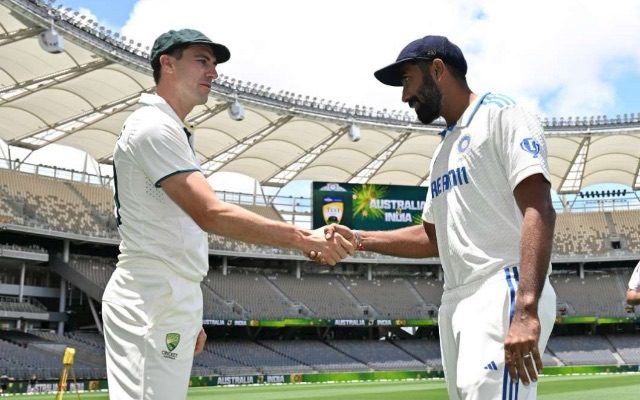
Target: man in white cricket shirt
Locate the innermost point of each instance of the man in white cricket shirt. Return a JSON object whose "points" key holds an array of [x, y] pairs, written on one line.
{"points": [[488, 215], [152, 306]]}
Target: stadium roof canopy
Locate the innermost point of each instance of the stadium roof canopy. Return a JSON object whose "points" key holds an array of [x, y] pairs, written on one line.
{"points": [[81, 97]]}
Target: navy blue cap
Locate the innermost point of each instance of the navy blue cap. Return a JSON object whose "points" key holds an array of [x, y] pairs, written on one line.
{"points": [[427, 48], [168, 40]]}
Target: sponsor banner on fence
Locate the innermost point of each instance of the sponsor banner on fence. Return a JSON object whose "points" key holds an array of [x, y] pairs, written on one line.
{"points": [[278, 323]]}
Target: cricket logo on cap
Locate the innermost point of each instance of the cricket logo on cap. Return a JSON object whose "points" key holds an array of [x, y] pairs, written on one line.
{"points": [[531, 146], [172, 340]]}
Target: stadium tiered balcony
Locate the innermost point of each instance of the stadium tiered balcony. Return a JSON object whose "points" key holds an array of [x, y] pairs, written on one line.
{"points": [[251, 293]]}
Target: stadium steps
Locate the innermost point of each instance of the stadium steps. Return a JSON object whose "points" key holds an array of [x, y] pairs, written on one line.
{"points": [[219, 370], [614, 351], [288, 356], [610, 223], [235, 307], [414, 291], [328, 343], [553, 355], [80, 281], [393, 342], [298, 307], [361, 305]]}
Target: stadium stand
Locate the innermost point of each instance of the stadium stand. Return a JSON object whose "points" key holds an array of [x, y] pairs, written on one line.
{"points": [[26, 356], [577, 293], [390, 297], [580, 233], [320, 356], [628, 346], [325, 296], [626, 224], [427, 351], [382, 355], [260, 357], [97, 269], [13, 304], [582, 350]]}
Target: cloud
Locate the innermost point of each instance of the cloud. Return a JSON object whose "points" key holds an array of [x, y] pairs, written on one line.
{"points": [[560, 58]]}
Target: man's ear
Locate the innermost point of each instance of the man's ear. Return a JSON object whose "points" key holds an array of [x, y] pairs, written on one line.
{"points": [[437, 68], [166, 61]]}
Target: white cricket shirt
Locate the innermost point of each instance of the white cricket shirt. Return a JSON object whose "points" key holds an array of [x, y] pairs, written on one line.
{"points": [[152, 146], [634, 282], [474, 170]]}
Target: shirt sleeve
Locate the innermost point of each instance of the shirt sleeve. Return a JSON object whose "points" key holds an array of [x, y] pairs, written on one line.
{"points": [[427, 213], [161, 151], [634, 282], [520, 144]]}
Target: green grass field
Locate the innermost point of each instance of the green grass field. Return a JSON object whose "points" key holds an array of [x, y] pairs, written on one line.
{"points": [[592, 387]]}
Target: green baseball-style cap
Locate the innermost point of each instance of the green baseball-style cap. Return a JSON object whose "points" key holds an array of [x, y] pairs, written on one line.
{"points": [[168, 40]]}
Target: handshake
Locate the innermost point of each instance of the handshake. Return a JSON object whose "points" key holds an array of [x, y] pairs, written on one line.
{"points": [[331, 244]]}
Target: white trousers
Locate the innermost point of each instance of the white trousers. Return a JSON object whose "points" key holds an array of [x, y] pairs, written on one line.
{"points": [[473, 321], [151, 319]]}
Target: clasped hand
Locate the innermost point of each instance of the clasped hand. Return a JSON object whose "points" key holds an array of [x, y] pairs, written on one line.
{"points": [[338, 241]]}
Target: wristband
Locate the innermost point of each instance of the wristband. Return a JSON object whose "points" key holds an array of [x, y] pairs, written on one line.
{"points": [[358, 240]]}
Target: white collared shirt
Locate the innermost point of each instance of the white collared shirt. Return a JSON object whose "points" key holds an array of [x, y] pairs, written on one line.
{"points": [[481, 159], [154, 145]]}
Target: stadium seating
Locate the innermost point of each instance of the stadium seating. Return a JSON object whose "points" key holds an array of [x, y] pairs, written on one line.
{"points": [[390, 297], [84, 208], [320, 356], [25, 356], [581, 233], [577, 293], [427, 351], [382, 355], [582, 350], [626, 223], [628, 346], [323, 295]]}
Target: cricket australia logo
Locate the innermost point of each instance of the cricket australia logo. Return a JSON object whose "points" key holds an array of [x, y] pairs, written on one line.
{"points": [[531, 146], [172, 340]]}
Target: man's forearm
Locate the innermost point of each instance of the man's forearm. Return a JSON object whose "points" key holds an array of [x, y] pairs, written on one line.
{"points": [[410, 242], [235, 222], [535, 254]]}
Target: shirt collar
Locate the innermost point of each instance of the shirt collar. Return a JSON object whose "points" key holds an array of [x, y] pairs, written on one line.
{"points": [[157, 101], [467, 115], [470, 112]]}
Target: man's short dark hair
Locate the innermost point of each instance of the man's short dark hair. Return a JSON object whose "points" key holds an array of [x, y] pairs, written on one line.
{"points": [[174, 52]]}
